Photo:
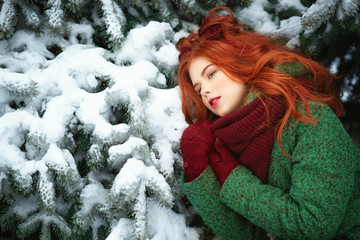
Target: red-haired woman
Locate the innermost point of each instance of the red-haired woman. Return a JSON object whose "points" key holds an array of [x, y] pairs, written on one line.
{"points": [[265, 152]]}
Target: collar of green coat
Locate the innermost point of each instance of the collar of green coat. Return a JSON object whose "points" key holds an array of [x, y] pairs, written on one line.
{"points": [[294, 69]]}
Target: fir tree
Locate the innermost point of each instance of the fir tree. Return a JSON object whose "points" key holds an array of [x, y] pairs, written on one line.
{"points": [[81, 141]]}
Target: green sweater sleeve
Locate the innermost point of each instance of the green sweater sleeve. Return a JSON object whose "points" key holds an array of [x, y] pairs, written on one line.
{"points": [[322, 181], [204, 195]]}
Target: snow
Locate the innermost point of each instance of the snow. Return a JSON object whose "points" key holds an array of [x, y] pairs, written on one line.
{"points": [[165, 106], [133, 147], [114, 19], [15, 80], [347, 8], [91, 195], [84, 31], [63, 90], [25, 206], [174, 228], [149, 72], [12, 125], [55, 14], [256, 17], [292, 3], [66, 92], [314, 17], [7, 15], [121, 230], [334, 66], [135, 174], [31, 17], [144, 41], [163, 224], [290, 26]]}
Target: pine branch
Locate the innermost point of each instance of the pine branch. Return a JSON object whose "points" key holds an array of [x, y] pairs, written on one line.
{"points": [[64, 167], [22, 182], [47, 192], [7, 19], [114, 19], [7, 218], [347, 9], [95, 157], [18, 85], [323, 10], [32, 19], [93, 205], [55, 16], [140, 209], [43, 222], [36, 145], [75, 5], [133, 148]]}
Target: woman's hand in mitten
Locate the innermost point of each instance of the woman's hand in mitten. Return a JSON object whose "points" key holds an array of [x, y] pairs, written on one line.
{"points": [[222, 161], [195, 144]]}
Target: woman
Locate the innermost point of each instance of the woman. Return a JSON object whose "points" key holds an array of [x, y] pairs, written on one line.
{"points": [[265, 152]]}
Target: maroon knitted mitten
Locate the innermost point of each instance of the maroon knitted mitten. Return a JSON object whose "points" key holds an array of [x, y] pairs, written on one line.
{"points": [[195, 144], [222, 161]]}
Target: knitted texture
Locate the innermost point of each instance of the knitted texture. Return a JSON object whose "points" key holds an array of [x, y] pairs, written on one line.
{"points": [[312, 195], [204, 194], [222, 161], [249, 133], [295, 69], [195, 144]]}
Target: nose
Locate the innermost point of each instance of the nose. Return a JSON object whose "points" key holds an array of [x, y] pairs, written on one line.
{"points": [[205, 88]]}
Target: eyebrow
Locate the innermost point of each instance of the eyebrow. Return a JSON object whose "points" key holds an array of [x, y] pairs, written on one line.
{"points": [[203, 71]]}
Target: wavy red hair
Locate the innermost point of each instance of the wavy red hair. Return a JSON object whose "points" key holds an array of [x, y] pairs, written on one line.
{"points": [[254, 67]]}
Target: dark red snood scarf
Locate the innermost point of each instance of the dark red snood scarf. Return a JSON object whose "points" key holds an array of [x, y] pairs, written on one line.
{"points": [[249, 133]]}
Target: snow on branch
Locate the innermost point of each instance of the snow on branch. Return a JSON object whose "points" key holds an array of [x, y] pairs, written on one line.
{"points": [[130, 186], [319, 13], [55, 15], [31, 17], [98, 142], [322, 10], [18, 84], [7, 18], [114, 19]]}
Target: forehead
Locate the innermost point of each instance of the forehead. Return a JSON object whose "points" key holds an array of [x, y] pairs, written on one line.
{"points": [[197, 65]]}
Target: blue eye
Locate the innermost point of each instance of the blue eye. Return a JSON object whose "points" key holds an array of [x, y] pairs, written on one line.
{"points": [[199, 92], [211, 74]]}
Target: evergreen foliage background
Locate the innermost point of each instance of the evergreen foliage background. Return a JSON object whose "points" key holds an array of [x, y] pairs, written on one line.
{"points": [[96, 186]]}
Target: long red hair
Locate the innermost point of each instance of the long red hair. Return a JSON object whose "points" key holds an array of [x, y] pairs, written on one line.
{"points": [[254, 66]]}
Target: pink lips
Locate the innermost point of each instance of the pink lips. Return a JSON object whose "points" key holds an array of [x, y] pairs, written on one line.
{"points": [[214, 102]]}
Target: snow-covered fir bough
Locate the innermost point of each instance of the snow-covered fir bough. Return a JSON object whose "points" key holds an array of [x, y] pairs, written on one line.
{"points": [[90, 115], [87, 141]]}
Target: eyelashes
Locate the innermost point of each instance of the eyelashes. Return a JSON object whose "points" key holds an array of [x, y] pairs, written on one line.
{"points": [[209, 76]]}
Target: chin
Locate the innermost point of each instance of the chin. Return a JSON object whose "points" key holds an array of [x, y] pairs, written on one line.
{"points": [[221, 114]]}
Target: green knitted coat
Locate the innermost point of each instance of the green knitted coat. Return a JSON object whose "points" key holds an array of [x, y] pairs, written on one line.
{"points": [[314, 194]]}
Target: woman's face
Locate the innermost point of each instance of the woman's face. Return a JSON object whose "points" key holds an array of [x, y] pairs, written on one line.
{"points": [[219, 93]]}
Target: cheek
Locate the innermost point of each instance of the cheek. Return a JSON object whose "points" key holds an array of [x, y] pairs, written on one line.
{"points": [[238, 89], [242, 93]]}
